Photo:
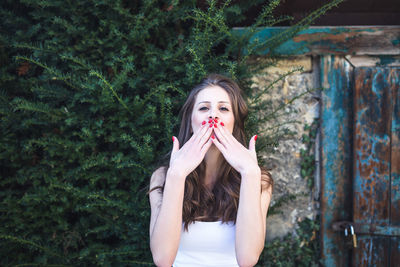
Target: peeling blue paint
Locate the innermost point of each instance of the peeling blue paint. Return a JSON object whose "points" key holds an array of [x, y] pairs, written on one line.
{"points": [[387, 60], [329, 40], [396, 42], [336, 152]]}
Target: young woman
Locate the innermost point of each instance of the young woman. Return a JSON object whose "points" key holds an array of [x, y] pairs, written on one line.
{"points": [[209, 203]]}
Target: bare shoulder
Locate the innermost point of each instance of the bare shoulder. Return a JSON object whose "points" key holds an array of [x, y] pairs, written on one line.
{"points": [[158, 177]]}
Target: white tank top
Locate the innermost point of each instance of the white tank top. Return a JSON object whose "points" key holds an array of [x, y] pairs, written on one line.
{"points": [[207, 244]]}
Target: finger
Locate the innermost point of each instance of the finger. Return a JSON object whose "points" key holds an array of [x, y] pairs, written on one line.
{"points": [[252, 143], [201, 133], [218, 145], [205, 147], [175, 144], [220, 132], [206, 136], [220, 137]]}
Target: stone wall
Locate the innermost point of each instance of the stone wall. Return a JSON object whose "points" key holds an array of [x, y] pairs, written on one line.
{"points": [[285, 162]]}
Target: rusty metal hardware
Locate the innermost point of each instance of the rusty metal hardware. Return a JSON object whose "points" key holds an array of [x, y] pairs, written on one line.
{"points": [[368, 229]]}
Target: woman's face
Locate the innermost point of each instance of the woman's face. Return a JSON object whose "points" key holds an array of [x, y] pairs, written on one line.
{"points": [[212, 102]]}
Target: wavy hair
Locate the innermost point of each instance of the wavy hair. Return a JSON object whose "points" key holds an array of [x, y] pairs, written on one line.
{"points": [[220, 203]]}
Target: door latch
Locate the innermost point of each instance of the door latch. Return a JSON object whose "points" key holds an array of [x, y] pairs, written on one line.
{"points": [[346, 227]]}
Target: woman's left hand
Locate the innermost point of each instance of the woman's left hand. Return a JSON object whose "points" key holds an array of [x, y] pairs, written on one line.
{"points": [[240, 158]]}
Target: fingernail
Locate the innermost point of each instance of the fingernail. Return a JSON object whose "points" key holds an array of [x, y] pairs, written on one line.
{"points": [[215, 125], [211, 125], [216, 121], [210, 121], [212, 136], [204, 122], [173, 139], [222, 123], [255, 138]]}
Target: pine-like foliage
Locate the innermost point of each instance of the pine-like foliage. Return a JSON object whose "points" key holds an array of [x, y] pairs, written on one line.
{"points": [[90, 91]]}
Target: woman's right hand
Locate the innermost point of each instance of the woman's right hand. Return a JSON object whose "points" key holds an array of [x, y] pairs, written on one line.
{"points": [[184, 160]]}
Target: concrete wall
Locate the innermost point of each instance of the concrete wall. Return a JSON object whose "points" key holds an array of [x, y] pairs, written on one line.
{"points": [[285, 162]]}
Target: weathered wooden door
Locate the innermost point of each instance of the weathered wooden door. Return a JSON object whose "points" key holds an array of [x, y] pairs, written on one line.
{"points": [[361, 186], [376, 165], [359, 139]]}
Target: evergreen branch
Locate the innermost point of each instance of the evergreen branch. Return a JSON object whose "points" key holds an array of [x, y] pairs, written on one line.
{"points": [[285, 35], [274, 21], [78, 61], [226, 4], [22, 104], [110, 87], [250, 31], [118, 253], [281, 37], [38, 47], [28, 242], [72, 189], [139, 262], [266, 13], [97, 196], [57, 75], [41, 264], [197, 59], [3, 96]]}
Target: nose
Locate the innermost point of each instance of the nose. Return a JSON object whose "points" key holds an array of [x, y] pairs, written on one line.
{"points": [[213, 114]]}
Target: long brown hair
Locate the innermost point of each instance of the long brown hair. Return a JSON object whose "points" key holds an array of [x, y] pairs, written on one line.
{"points": [[221, 203]]}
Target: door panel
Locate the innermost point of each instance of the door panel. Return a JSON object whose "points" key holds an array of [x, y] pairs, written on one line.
{"points": [[373, 125], [395, 169], [374, 93], [372, 109], [395, 150]]}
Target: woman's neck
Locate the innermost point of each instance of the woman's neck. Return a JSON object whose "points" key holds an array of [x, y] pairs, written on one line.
{"points": [[213, 160]]}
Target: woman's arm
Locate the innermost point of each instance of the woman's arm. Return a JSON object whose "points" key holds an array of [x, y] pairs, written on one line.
{"points": [[253, 205], [166, 208], [166, 216], [251, 218]]}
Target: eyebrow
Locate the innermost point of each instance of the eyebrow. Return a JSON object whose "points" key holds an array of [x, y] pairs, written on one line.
{"points": [[226, 102]]}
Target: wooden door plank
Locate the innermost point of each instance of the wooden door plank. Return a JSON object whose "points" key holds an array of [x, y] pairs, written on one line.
{"points": [[394, 252], [372, 109], [395, 148], [335, 153], [372, 251], [371, 185], [342, 40], [395, 166]]}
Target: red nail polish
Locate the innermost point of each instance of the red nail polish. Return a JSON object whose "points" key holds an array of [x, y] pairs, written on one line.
{"points": [[210, 121], [204, 122], [215, 125], [222, 123], [173, 139], [216, 121], [255, 138], [211, 125], [212, 136]]}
